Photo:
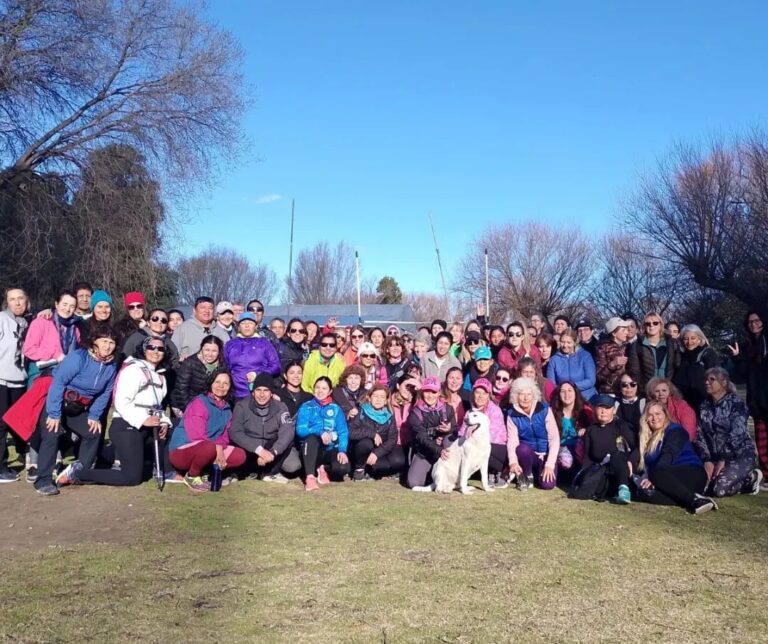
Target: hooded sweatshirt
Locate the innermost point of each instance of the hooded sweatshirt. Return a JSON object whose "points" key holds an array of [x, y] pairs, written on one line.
{"points": [[90, 378]]}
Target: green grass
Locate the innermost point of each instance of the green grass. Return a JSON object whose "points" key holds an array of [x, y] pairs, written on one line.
{"points": [[374, 562]]}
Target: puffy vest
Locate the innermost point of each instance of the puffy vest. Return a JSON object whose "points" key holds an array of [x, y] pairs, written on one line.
{"points": [[533, 430]]}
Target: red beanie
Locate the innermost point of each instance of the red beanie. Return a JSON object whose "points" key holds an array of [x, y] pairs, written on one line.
{"points": [[134, 297]]}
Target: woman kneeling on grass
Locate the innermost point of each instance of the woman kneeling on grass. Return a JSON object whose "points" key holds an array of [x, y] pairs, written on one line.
{"points": [[610, 456], [373, 438], [139, 391], [674, 474], [202, 437], [322, 431], [533, 441]]}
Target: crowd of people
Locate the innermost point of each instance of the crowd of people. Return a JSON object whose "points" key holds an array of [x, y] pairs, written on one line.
{"points": [[645, 411]]}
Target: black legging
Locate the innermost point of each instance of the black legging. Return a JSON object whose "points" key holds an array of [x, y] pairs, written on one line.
{"points": [[133, 448], [392, 463], [499, 458], [50, 443], [313, 453], [676, 485]]}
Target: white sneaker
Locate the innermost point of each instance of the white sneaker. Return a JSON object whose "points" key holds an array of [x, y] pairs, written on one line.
{"points": [[275, 478]]}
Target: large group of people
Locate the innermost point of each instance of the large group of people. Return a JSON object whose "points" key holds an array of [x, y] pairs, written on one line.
{"points": [[645, 411]]}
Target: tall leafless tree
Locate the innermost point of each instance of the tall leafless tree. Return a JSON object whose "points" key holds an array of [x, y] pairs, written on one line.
{"points": [[427, 307], [631, 280], [704, 211], [533, 268], [324, 275], [224, 274]]}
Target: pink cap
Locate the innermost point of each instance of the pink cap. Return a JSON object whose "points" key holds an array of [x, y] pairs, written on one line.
{"points": [[430, 384], [483, 383]]}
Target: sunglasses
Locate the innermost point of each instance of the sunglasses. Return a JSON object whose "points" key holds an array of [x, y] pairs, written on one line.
{"points": [[653, 323], [302, 331], [515, 334], [256, 309], [471, 342], [155, 318], [156, 347], [627, 385], [501, 379], [328, 345], [357, 336], [135, 307], [367, 355]]}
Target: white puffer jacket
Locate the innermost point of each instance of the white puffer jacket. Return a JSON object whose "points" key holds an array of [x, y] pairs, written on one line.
{"points": [[139, 389]]}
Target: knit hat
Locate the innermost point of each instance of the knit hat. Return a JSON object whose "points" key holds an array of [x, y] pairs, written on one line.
{"points": [[430, 384], [133, 297], [264, 380], [483, 353], [483, 383], [101, 296], [393, 327], [367, 348]]}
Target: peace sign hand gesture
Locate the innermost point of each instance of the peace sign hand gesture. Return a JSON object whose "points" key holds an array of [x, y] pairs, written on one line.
{"points": [[734, 349]]}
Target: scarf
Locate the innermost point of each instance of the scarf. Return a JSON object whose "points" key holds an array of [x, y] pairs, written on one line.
{"points": [[380, 416], [66, 329], [324, 401], [425, 408], [19, 336]]}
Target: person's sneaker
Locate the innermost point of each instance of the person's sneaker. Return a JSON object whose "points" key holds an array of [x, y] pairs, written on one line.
{"points": [[47, 489], [275, 478], [499, 482], [702, 504], [358, 474], [365, 478], [227, 480], [624, 497], [322, 476], [523, 482], [196, 483], [757, 480], [70, 475], [310, 485], [8, 476], [31, 474], [116, 465]]}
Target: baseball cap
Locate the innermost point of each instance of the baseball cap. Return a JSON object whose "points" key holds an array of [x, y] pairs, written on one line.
{"points": [[224, 306]]}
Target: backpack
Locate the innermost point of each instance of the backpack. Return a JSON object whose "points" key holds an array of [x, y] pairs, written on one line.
{"points": [[590, 484]]}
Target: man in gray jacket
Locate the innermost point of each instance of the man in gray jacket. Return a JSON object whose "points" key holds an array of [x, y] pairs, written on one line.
{"points": [[190, 335], [13, 374], [263, 427]]}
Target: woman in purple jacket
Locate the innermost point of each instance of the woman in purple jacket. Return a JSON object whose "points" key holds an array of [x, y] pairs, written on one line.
{"points": [[247, 356]]}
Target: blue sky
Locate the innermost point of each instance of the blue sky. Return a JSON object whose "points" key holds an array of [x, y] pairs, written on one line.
{"points": [[372, 114]]}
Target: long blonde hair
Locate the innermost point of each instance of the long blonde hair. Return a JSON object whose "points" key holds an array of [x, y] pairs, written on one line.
{"points": [[650, 440]]}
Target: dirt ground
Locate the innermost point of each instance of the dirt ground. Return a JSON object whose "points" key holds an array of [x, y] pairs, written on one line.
{"points": [[30, 522]]}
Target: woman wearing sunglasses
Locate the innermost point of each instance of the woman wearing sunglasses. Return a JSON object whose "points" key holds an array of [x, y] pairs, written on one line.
{"points": [[368, 359], [631, 401], [139, 392], [294, 348], [356, 338], [518, 346], [156, 327], [501, 384], [659, 354], [133, 320]]}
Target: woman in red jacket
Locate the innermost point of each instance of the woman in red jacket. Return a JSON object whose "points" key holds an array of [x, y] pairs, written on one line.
{"points": [[518, 346], [663, 391]]}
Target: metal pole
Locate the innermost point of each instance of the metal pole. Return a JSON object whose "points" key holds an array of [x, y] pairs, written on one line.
{"points": [[487, 292], [357, 277], [440, 265], [290, 260]]}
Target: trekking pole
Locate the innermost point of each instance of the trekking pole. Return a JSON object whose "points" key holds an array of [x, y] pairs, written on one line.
{"points": [[159, 472]]}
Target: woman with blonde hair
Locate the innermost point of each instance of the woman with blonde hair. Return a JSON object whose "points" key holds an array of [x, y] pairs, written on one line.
{"points": [[672, 472]]}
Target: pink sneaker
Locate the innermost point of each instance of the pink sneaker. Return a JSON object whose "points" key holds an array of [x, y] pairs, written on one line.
{"points": [[310, 485], [322, 476]]}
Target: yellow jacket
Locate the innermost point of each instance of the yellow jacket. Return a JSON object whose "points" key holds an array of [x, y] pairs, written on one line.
{"points": [[314, 367]]}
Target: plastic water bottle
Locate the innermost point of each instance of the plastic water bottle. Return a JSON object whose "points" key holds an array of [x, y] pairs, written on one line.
{"points": [[215, 478]]}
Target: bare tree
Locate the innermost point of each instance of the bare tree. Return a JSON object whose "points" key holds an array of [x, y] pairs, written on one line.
{"points": [[427, 306], [224, 274], [76, 74], [324, 275], [704, 211], [630, 279], [532, 267]]}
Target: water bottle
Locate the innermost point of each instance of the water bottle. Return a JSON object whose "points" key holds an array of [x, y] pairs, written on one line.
{"points": [[215, 478]]}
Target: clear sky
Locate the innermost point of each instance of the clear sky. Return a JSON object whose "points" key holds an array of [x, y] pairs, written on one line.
{"points": [[371, 114]]}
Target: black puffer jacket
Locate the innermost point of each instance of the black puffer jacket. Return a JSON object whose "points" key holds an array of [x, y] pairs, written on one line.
{"points": [[649, 356], [753, 366], [191, 381], [363, 426], [424, 426], [290, 351], [689, 376]]}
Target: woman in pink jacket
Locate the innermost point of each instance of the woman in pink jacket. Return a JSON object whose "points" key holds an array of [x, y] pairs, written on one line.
{"points": [[498, 464], [51, 339], [663, 391]]}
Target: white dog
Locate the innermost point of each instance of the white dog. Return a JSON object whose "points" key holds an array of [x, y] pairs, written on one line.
{"points": [[466, 456]]}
